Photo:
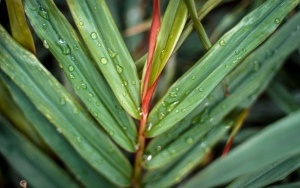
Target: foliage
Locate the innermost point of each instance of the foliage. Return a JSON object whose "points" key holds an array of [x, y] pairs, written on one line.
{"points": [[115, 111]]}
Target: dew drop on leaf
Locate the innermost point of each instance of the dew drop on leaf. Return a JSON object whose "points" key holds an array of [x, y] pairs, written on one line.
{"points": [[64, 46], [93, 35], [43, 13], [222, 42], [112, 53], [83, 86], [75, 47], [45, 43], [171, 106], [111, 133], [200, 89], [81, 23], [62, 101], [44, 26], [71, 68], [72, 76], [119, 69], [173, 94], [277, 21], [103, 60]]}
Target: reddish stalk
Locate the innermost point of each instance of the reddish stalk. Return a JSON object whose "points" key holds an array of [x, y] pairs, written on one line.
{"points": [[146, 95]]}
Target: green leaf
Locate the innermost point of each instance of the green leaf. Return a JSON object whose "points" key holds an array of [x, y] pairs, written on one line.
{"points": [[288, 185], [30, 162], [275, 172], [88, 83], [77, 165], [245, 83], [107, 47], [62, 110], [169, 33], [191, 89], [282, 97], [180, 167], [258, 152]]}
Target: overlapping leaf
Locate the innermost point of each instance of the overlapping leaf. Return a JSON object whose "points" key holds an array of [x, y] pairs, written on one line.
{"points": [[245, 83], [191, 89], [106, 45], [61, 39], [30, 162], [270, 174], [77, 165], [258, 152], [61, 109]]}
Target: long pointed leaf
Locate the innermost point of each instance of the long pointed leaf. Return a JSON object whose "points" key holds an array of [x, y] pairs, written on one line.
{"points": [[77, 165], [190, 90], [30, 162], [105, 43], [256, 153], [61, 39], [61, 109]]}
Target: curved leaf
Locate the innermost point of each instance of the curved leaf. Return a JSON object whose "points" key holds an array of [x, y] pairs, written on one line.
{"points": [[258, 152], [105, 43], [30, 162], [62, 110], [190, 90], [61, 39], [77, 165], [275, 172]]}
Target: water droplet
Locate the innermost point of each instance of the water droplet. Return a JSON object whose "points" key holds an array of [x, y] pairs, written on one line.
{"points": [[222, 42], [162, 55], [93, 35], [111, 133], [133, 82], [99, 45], [64, 46], [44, 26], [193, 77], [173, 94], [72, 58], [147, 157], [125, 128], [125, 83], [62, 101], [189, 140], [98, 103], [237, 52], [124, 93], [72, 76], [112, 53], [277, 21], [158, 148], [75, 47], [137, 146], [149, 126], [200, 89], [43, 13], [172, 106], [81, 23], [183, 110], [161, 115], [119, 69], [103, 60], [45, 43], [83, 86], [256, 66], [79, 139], [95, 114], [71, 68]]}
